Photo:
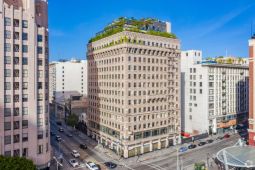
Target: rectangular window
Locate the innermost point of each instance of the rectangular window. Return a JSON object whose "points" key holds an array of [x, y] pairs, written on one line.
{"points": [[7, 34], [7, 86], [16, 111], [39, 110], [39, 85], [7, 21], [39, 50], [40, 149], [7, 140], [16, 138], [25, 73], [7, 126], [16, 86], [40, 62], [24, 85], [16, 48], [24, 124], [16, 23], [7, 47], [7, 98], [24, 24], [7, 112], [39, 38], [24, 111], [25, 137], [24, 48], [24, 61], [39, 122], [16, 60], [40, 97], [40, 135], [16, 35], [24, 98], [24, 36], [211, 91], [16, 73], [16, 153], [210, 84], [16, 124], [7, 60]]}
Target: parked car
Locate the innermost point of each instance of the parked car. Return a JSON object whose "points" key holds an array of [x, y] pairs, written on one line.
{"points": [[209, 141], [220, 137], [58, 138], [61, 130], [74, 163], [183, 149], [75, 154], [83, 146], [201, 143], [192, 146], [110, 165], [226, 136], [92, 166]]}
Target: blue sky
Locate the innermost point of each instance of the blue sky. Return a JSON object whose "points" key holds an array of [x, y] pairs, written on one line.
{"points": [[212, 26]]}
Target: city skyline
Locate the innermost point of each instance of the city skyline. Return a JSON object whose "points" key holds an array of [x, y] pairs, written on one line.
{"points": [[231, 22]]}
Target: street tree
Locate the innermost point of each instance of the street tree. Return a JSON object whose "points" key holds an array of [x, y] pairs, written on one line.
{"points": [[72, 120], [16, 163]]}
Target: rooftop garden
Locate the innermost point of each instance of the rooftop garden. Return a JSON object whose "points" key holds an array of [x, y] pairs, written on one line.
{"points": [[133, 25]]}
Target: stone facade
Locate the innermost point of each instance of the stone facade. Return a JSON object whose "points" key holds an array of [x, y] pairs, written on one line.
{"points": [[134, 92]]}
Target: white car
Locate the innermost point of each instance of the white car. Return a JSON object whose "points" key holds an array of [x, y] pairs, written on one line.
{"points": [[74, 163], [92, 166], [75, 154]]}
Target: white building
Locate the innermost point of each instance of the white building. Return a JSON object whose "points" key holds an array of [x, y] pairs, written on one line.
{"points": [[214, 96], [68, 78]]}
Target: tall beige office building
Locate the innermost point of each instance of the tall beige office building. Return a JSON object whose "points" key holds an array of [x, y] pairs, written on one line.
{"points": [[24, 116], [134, 86]]}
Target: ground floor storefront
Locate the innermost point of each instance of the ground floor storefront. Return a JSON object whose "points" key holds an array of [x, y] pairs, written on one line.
{"points": [[129, 149]]}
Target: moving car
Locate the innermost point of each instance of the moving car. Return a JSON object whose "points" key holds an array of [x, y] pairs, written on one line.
{"points": [[226, 136], [92, 166], [61, 130], [83, 146], [74, 163], [183, 149], [201, 143], [110, 165], [209, 141], [69, 135], [192, 146], [75, 154]]}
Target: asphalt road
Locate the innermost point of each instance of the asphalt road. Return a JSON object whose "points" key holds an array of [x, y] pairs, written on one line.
{"points": [[187, 159], [166, 161]]}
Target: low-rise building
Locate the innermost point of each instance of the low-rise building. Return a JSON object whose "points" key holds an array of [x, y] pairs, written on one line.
{"points": [[214, 96]]}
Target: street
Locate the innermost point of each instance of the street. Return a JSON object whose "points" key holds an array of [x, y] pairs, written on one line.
{"points": [[161, 160]]}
